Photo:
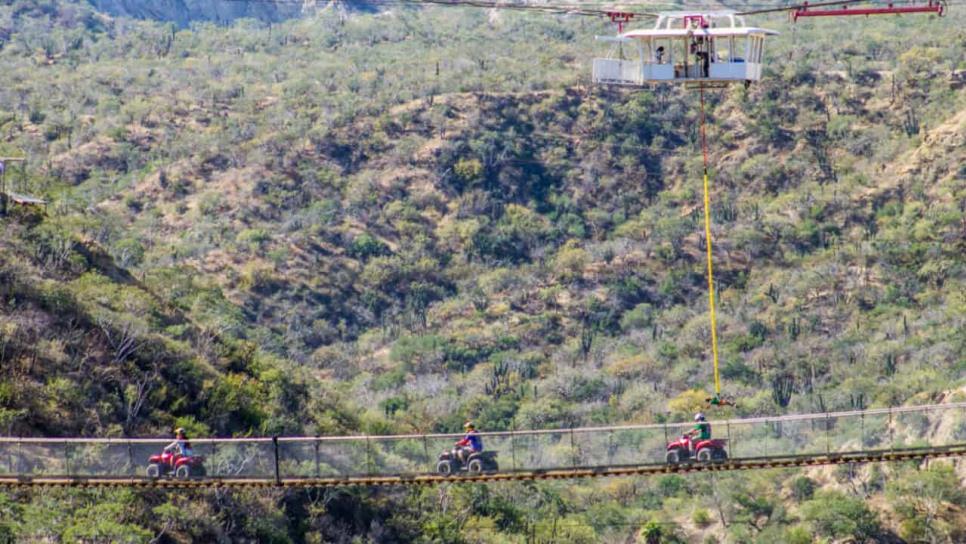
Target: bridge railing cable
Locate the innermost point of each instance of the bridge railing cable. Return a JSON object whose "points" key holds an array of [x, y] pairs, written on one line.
{"points": [[827, 434]]}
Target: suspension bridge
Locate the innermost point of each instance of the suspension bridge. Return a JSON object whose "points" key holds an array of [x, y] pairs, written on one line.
{"points": [[876, 435]]}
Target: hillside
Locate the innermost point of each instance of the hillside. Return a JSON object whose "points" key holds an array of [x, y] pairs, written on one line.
{"points": [[384, 224], [185, 12]]}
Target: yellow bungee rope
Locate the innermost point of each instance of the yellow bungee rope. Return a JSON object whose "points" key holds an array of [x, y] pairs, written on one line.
{"points": [[716, 399]]}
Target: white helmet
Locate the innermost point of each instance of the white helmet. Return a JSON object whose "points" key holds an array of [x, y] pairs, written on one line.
{"points": [[699, 416]]}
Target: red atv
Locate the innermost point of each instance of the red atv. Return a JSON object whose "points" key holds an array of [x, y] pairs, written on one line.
{"points": [[181, 466], [705, 451], [477, 462]]}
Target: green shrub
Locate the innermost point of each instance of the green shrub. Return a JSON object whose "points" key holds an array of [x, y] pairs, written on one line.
{"points": [[797, 535], [192, 426], [256, 277], [701, 517], [253, 238], [127, 253], [394, 404], [672, 485], [468, 170], [803, 488], [389, 380], [836, 515], [365, 246], [744, 343], [418, 353], [640, 317]]}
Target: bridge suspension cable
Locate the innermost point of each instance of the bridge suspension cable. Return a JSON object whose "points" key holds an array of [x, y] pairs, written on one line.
{"points": [[914, 432]]}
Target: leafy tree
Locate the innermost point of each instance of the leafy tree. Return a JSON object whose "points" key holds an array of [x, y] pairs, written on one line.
{"points": [[570, 261], [468, 170], [687, 403], [836, 515], [365, 246], [923, 499], [802, 488]]}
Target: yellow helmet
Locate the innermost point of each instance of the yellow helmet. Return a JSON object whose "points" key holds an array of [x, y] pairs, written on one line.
{"points": [[179, 430], [469, 425]]}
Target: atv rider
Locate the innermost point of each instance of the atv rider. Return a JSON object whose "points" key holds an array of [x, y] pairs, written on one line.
{"points": [[470, 444], [701, 428], [180, 446]]}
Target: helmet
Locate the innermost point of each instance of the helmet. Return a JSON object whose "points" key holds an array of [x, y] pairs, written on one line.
{"points": [[179, 430], [699, 416], [469, 425]]}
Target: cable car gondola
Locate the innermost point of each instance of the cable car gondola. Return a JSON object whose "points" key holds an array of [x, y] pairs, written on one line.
{"points": [[687, 47]]}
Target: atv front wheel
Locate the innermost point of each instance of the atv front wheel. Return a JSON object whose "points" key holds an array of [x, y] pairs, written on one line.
{"points": [[475, 466], [183, 472], [704, 455], [673, 457], [153, 471], [445, 467]]}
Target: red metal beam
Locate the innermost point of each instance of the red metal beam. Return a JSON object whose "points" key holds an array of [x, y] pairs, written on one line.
{"points": [[620, 17], [930, 7]]}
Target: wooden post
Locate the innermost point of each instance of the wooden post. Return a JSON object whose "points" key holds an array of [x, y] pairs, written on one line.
{"points": [[610, 447], [278, 479], [892, 432], [573, 448], [368, 456], [513, 448], [3, 190], [67, 458], [318, 467], [828, 444], [426, 450]]}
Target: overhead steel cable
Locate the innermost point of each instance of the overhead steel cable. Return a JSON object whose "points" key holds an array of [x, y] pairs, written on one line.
{"points": [[814, 419], [557, 9], [604, 6], [604, 9], [564, 9]]}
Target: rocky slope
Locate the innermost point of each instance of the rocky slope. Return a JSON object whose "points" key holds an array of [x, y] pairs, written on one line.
{"points": [[183, 12]]}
